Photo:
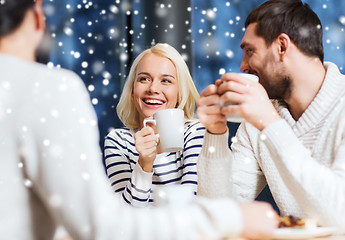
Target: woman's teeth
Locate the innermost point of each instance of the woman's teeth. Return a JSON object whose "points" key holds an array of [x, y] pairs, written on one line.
{"points": [[153, 101]]}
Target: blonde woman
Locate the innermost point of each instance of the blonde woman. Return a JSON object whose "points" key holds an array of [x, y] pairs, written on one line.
{"points": [[159, 79]]}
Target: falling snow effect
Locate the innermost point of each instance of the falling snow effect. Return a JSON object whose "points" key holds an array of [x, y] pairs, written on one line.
{"points": [[211, 149], [99, 39], [263, 137]]}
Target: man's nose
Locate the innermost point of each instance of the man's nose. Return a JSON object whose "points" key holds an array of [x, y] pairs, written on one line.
{"points": [[244, 65]]}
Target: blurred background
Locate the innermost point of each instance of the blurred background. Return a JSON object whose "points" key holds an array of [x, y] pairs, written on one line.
{"points": [[98, 39]]}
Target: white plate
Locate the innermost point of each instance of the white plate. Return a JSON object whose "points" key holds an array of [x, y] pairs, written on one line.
{"points": [[295, 233]]}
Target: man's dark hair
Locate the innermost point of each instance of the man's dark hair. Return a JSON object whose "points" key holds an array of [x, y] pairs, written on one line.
{"points": [[12, 13], [292, 17]]}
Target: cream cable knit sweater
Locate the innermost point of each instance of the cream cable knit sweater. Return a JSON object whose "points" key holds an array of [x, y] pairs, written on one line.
{"points": [[51, 171], [303, 162]]}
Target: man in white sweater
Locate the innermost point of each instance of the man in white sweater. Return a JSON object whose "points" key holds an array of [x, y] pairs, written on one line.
{"points": [[50, 169], [296, 143]]}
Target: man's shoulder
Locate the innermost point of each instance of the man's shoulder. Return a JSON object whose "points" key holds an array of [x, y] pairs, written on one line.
{"points": [[33, 70], [55, 74]]}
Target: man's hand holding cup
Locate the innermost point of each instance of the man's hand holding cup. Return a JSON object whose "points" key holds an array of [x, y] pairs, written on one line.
{"points": [[243, 98]]}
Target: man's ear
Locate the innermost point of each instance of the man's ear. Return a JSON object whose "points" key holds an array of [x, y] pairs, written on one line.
{"points": [[39, 15], [283, 44], [42, 53]]}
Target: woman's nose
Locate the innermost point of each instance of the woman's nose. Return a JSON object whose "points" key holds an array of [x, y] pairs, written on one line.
{"points": [[154, 86]]}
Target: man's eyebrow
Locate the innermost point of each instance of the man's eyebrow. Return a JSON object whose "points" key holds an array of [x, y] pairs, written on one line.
{"points": [[243, 45]]}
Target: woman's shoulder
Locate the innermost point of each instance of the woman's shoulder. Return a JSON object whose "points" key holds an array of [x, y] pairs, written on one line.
{"points": [[120, 136], [122, 133], [194, 127], [194, 124]]}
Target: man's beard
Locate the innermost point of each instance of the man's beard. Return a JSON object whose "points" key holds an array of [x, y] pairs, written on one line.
{"points": [[278, 88]]}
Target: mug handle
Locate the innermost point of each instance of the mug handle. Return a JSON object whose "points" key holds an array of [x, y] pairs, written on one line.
{"points": [[150, 121]]}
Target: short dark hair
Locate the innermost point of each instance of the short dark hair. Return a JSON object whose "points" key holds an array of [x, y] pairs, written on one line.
{"points": [[292, 17], [12, 13]]}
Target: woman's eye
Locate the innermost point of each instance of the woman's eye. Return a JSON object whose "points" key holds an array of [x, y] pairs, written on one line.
{"points": [[144, 79], [166, 81]]}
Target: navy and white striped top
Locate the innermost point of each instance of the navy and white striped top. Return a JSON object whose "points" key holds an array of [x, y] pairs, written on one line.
{"points": [[135, 185]]}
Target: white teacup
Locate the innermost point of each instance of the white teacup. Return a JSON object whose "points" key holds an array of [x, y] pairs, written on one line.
{"points": [[170, 128], [235, 117]]}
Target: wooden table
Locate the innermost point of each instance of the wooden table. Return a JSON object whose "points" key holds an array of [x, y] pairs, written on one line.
{"points": [[333, 237]]}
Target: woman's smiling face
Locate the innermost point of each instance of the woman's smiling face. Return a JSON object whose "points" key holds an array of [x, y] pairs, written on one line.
{"points": [[155, 86]]}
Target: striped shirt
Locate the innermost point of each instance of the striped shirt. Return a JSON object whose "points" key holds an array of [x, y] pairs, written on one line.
{"points": [[135, 185]]}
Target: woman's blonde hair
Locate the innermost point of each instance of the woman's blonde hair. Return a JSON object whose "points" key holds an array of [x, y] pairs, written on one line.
{"points": [[188, 94]]}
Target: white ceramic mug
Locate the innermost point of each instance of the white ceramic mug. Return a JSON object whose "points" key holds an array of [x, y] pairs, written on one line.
{"points": [[236, 117], [170, 128]]}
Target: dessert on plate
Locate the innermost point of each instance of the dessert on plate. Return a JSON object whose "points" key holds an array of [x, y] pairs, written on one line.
{"points": [[292, 222]]}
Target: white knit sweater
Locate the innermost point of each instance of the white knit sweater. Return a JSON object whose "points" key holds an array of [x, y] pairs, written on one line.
{"points": [[51, 171], [303, 161]]}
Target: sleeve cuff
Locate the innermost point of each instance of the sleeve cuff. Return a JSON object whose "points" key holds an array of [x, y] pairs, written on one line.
{"points": [[226, 215], [214, 167], [141, 179], [216, 145]]}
